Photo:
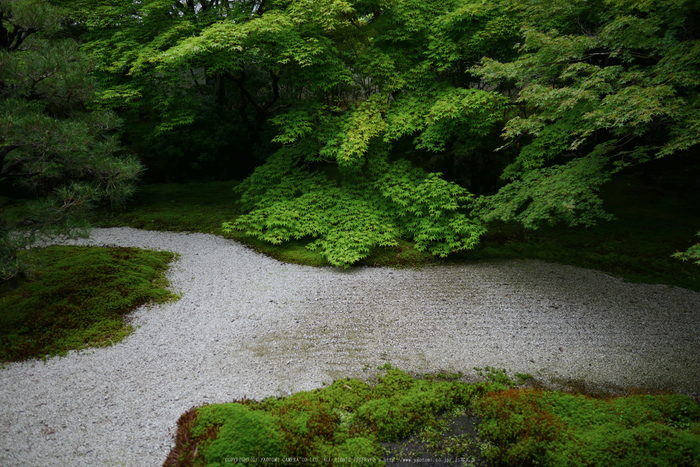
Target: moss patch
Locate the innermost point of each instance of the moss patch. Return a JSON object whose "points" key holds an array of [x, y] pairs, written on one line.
{"points": [[346, 423], [175, 207], [78, 297], [403, 420], [240, 433], [535, 427]]}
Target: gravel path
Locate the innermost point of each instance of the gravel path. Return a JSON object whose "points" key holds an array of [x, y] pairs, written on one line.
{"points": [[247, 325]]}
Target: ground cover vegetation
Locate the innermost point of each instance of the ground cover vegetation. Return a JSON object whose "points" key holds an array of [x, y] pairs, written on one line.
{"points": [[402, 418], [77, 297]]}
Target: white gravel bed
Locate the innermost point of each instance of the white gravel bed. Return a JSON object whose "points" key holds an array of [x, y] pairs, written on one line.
{"points": [[250, 326]]}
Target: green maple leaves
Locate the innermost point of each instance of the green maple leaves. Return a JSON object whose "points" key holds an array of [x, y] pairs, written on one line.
{"points": [[349, 219], [601, 89]]}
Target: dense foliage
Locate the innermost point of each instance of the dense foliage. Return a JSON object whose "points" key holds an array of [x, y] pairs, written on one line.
{"points": [[51, 145], [602, 86], [378, 120], [336, 178]]}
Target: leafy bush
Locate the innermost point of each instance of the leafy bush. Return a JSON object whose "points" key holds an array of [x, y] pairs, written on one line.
{"points": [[692, 253], [349, 218]]}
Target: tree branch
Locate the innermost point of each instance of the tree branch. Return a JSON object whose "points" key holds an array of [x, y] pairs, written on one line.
{"points": [[280, 107], [274, 82], [4, 151], [241, 94], [240, 81]]}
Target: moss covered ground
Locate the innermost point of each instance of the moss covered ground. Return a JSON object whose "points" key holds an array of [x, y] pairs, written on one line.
{"points": [[430, 420], [77, 297]]}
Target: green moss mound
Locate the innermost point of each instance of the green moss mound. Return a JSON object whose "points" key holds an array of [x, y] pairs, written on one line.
{"points": [[78, 297], [242, 433], [402, 417], [346, 423], [534, 427]]}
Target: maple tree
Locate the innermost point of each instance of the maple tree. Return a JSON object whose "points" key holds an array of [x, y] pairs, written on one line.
{"points": [[360, 98]]}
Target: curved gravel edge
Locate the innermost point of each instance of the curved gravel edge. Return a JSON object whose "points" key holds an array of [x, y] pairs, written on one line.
{"points": [[250, 326]]}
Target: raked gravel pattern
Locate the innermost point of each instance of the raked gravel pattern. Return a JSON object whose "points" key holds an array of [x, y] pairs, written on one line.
{"points": [[250, 326]]}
